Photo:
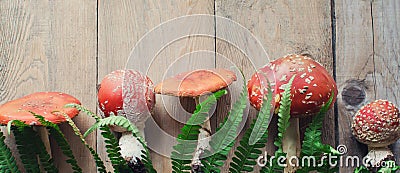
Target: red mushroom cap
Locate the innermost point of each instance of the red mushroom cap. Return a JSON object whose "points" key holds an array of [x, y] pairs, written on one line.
{"points": [[126, 91], [41, 103], [377, 124], [196, 83], [311, 88]]}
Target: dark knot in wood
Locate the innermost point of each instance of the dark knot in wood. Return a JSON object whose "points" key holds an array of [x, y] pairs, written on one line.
{"points": [[354, 92]]}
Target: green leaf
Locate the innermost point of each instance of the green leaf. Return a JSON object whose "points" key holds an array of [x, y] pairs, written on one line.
{"points": [[99, 163], [7, 160], [125, 123], [222, 142], [187, 142], [283, 124], [59, 137], [263, 119], [26, 140], [312, 143], [246, 153]]}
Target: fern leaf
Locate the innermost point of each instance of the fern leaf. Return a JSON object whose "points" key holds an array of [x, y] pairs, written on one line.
{"points": [[284, 112], [246, 153], [312, 143], [98, 161], [7, 160], [125, 123], [222, 142], [25, 141], [187, 140], [283, 124], [253, 140], [263, 119], [83, 109], [112, 146], [113, 150], [59, 137]]}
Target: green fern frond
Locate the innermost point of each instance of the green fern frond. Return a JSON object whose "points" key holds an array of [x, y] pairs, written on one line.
{"points": [[59, 137], [112, 146], [7, 160], [263, 119], [246, 153], [91, 129], [98, 161], [113, 150], [283, 124], [83, 109], [284, 113], [312, 143], [32, 149], [187, 140], [26, 149], [253, 140], [19, 124], [125, 123], [222, 142]]}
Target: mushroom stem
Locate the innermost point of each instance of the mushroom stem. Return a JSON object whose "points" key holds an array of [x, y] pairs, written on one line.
{"points": [[376, 156], [131, 148], [203, 141], [44, 136], [291, 145]]}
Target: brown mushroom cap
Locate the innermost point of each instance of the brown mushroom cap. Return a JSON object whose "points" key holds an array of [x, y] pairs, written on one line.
{"points": [[196, 83], [311, 88], [377, 124], [41, 103]]}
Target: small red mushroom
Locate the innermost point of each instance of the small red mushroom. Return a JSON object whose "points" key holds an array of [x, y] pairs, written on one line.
{"points": [[130, 94], [312, 87], [195, 84], [40, 103], [377, 124]]}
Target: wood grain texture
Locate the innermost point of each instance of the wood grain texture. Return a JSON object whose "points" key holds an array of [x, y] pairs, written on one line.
{"points": [[386, 46], [123, 23], [50, 46], [354, 66], [282, 27], [70, 46], [367, 58]]}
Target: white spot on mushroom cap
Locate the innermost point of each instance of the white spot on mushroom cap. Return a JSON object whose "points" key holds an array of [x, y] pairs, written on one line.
{"points": [[283, 78]]}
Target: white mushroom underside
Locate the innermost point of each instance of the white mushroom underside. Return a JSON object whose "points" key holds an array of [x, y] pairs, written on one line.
{"points": [[130, 147]]}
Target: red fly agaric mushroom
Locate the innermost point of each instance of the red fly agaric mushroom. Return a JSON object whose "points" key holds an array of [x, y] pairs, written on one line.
{"points": [[130, 94], [195, 84], [311, 89], [40, 103], [377, 125]]}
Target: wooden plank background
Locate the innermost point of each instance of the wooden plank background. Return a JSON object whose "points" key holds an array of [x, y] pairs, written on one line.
{"points": [[70, 45]]}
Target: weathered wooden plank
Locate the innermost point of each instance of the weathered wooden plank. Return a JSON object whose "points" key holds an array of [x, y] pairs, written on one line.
{"points": [[386, 46], [50, 46], [122, 24], [283, 27], [354, 68]]}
